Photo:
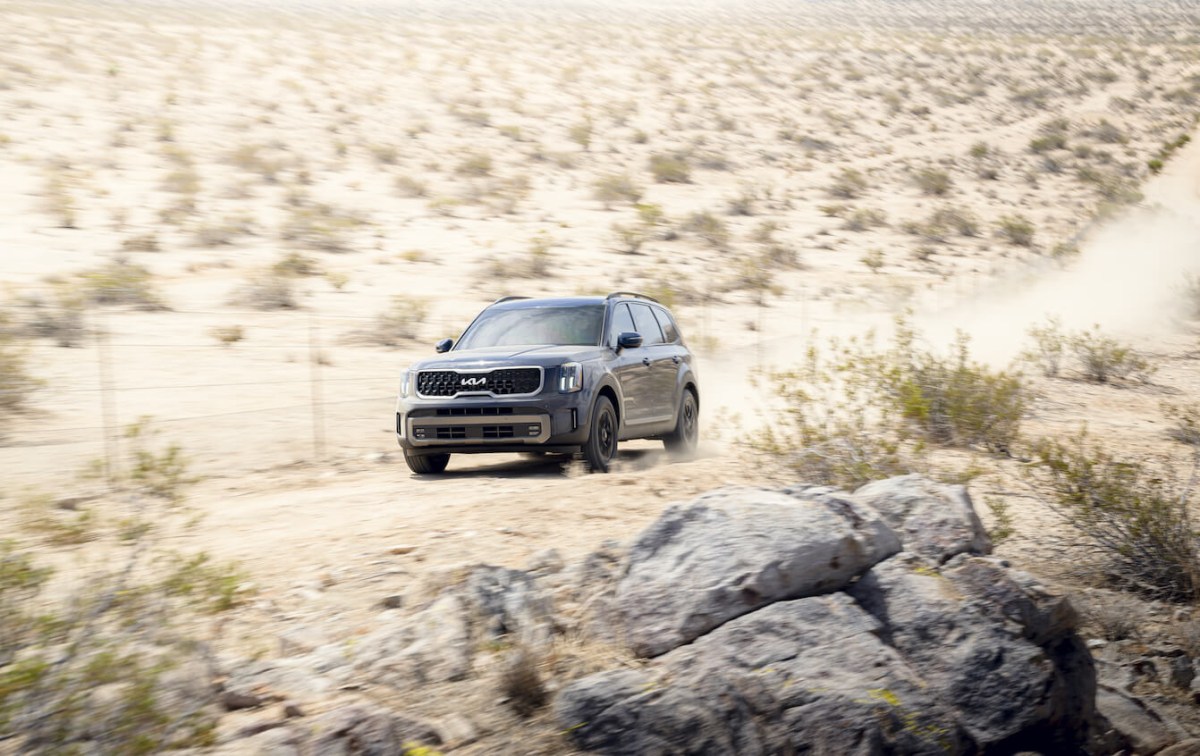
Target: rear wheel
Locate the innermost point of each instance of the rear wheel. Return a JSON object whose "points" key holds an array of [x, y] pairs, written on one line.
{"points": [[682, 441], [601, 446], [427, 464]]}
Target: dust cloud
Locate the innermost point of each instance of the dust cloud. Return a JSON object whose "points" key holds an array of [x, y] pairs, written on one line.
{"points": [[1128, 278]]}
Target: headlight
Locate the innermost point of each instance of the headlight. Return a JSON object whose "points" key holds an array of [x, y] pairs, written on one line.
{"points": [[406, 383], [570, 378]]}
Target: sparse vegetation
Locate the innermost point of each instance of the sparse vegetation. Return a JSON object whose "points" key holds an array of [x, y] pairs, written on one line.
{"points": [[1016, 229], [267, 291], [708, 227], [670, 169], [848, 183], [1103, 358], [121, 282], [867, 413], [615, 187], [401, 321], [934, 182], [228, 335], [1135, 518]]}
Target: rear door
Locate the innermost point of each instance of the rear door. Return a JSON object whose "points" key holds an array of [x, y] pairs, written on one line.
{"points": [[657, 356], [631, 373]]}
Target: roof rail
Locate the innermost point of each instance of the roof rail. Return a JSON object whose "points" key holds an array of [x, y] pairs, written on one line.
{"points": [[506, 299], [633, 294]]}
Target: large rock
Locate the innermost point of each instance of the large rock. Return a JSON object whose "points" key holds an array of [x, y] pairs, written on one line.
{"points": [[739, 549], [365, 731], [433, 646], [1144, 729], [934, 520], [803, 676], [1008, 662], [938, 649], [509, 602]]}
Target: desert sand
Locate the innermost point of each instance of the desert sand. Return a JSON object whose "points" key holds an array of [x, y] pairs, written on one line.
{"points": [[259, 213]]}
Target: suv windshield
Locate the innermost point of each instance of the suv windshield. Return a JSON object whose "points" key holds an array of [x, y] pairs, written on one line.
{"points": [[529, 326]]}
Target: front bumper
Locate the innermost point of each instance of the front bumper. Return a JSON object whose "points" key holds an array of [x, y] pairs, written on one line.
{"points": [[485, 424]]}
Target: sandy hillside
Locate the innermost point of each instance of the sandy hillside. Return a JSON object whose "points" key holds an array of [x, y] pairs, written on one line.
{"points": [[241, 221]]}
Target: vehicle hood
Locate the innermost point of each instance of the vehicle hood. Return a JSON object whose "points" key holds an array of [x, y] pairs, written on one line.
{"points": [[509, 356]]}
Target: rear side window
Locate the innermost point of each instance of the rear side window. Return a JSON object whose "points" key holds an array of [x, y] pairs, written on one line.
{"points": [[643, 318], [670, 332], [622, 321]]}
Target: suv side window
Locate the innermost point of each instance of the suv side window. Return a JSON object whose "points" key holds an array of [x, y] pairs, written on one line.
{"points": [[670, 331], [622, 322], [646, 324]]}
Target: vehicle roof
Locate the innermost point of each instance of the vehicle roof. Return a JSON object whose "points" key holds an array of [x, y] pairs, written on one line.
{"points": [[524, 303], [521, 303]]}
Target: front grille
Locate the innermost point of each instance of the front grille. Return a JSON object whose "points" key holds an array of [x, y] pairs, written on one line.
{"points": [[499, 382], [473, 411], [451, 432]]}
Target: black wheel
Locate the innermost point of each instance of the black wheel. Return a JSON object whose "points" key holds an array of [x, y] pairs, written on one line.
{"points": [[427, 464], [601, 446], [681, 442]]}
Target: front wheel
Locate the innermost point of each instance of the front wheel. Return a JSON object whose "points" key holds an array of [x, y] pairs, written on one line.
{"points": [[427, 464], [682, 441], [601, 446]]}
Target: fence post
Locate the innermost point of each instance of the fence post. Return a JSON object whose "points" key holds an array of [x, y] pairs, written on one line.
{"points": [[318, 412], [108, 400]]}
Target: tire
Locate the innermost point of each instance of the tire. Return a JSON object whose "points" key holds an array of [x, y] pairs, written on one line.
{"points": [[601, 446], [682, 441], [427, 464]]}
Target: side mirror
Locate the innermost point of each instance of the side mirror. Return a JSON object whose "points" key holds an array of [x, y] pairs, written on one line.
{"points": [[444, 345], [629, 340]]}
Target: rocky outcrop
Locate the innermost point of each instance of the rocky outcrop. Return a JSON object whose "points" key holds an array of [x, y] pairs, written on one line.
{"points": [[934, 520], [800, 620], [935, 649], [736, 550]]}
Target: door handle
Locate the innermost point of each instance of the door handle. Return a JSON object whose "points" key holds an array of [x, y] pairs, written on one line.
{"points": [[675, 359], [646, 361]]}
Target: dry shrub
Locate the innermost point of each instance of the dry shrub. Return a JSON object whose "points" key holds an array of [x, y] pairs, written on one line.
{"points": [[1134, 517], [121, 282], [266, 291], [400, 322], [521, 682]]}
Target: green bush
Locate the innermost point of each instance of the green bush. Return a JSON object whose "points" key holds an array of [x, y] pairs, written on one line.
{"points": [[1049, 347], [827, 432], [867, 413], [104, 671], [1133, 517], [1103, 357], [163, 474], [951, 400]]}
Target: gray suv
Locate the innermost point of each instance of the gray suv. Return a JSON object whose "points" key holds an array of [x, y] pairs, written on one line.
{"points": [[574, 375]]}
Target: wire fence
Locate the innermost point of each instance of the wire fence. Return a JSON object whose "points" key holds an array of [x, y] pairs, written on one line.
{"points": [[297, 386]]}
